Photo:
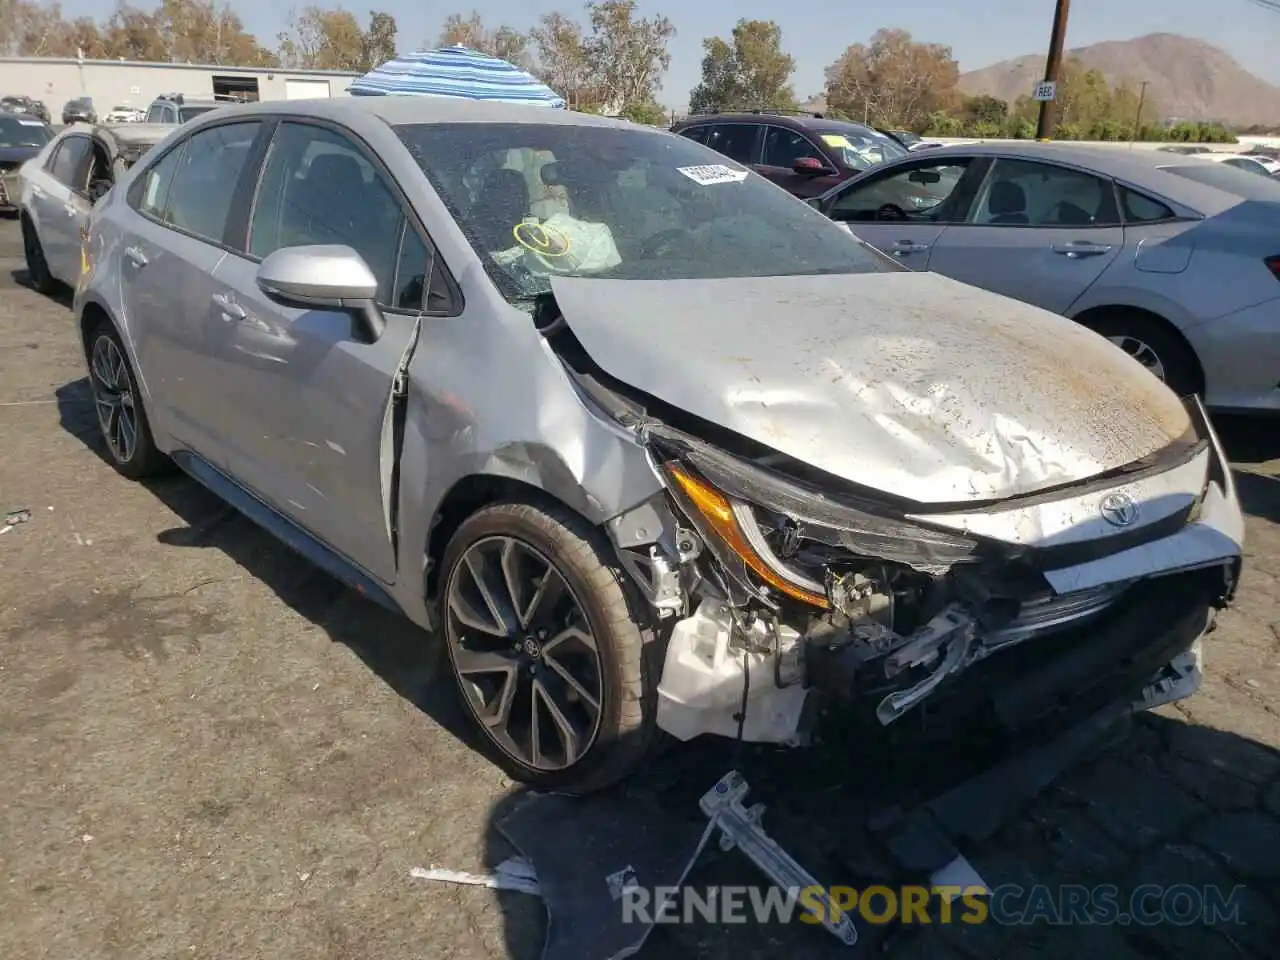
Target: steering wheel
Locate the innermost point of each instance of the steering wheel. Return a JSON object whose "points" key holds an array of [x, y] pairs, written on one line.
{"points": [[891, 211], [662, 242]]}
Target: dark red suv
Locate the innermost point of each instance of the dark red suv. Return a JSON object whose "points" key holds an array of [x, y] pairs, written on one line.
{"points": [[807, 154]]}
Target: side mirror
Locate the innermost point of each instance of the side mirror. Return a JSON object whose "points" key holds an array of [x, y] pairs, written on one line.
{"points": [[810, 167], [333, 277]]}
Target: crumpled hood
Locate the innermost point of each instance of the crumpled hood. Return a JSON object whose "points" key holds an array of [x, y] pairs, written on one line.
{"points": [[909, 383]]}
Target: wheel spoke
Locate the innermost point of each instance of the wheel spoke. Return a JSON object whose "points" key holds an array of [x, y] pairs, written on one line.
{"points": [[472, 665], [546, 596], [466, 613], [583, 693], [128, 432], [535, 726], [495, 601], [113, 429], [570, 742], [102, 367]]}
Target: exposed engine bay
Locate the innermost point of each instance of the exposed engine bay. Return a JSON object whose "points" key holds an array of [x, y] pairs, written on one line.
{"points": [[780, 589]]}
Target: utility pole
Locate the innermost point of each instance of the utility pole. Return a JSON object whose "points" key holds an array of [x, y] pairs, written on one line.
{"points": [[1045, 126], [1137, 120]]}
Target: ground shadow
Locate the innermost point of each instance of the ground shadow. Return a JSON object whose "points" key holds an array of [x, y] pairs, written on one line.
{"points": [[404, 656], [1160, 802], [820, 800], [62, 295], [1248, 439]]}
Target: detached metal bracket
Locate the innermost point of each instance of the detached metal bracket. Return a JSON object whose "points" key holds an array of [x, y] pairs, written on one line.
{"points": [[740, 827]]}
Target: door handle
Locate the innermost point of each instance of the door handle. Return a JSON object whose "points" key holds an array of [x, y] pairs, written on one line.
{"points": [[36, 191], [906, 246], [230, 309], [135, 256], [1081, 248]]}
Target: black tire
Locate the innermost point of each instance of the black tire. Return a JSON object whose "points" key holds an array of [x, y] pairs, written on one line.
{"points": [[616, 616], [144, 460], [37, 267], [1181, 367]]}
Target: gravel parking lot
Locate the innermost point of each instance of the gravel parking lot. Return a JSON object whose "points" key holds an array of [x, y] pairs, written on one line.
{"points": [[210, 749]]}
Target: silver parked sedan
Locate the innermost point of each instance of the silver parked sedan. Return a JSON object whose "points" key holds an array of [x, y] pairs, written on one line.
{"points": [[58, 187], [1175, 258], [648, 444]]}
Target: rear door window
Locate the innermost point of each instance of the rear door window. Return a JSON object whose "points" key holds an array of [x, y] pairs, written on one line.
{"points": [[737, 141], [1030, 193]]}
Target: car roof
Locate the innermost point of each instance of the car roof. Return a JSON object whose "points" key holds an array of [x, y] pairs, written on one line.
{"points": [[806, 120], [1147, 169], [396, 110]]}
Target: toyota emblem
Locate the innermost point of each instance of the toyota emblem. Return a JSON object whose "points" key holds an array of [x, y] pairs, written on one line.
{"points": [[1118, 509]]}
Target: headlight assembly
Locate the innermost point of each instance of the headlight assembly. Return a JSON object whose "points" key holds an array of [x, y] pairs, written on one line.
{"points": [[722, 495], [730, 532]]}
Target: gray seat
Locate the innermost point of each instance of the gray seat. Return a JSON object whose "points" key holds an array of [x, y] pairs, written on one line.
{"points": [[1008, 203]]}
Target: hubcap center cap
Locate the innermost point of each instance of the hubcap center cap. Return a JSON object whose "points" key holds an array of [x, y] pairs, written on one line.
{"points": [[532, 648]]}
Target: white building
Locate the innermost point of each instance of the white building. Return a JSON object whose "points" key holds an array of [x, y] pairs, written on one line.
{"points": [[111, 83]]}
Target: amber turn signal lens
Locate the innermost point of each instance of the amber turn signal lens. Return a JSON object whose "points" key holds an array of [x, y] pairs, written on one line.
{"points": [[717, 512]]}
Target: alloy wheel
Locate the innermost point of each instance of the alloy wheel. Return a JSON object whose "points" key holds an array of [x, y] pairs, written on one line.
{"points": [[524, 653], [1142, 352], [113, 397]]}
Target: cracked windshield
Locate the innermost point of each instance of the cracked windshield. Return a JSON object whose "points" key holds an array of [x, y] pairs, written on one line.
{"points": [[543, 200]]}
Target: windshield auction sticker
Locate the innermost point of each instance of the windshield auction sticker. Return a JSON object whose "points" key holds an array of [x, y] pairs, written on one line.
{"points": [[713, 173]]}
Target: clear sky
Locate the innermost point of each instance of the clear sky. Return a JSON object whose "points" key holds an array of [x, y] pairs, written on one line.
{"points": [[979, 33]]}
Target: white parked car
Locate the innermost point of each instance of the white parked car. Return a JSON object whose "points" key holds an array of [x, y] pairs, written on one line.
{"points": [[59, 186], [1263, 165], [123, 114]]}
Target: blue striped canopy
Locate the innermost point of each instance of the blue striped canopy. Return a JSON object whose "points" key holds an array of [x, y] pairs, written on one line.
{"points": [[458, 72]]}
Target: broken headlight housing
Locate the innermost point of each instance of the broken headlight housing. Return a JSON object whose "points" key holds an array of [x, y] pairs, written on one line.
{"points": [[754, 521]]}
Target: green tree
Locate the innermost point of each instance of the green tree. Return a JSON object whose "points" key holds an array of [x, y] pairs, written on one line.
{"points": [[628, 54], [504, 42], [749, 71], [323, 39], [893, 81], [379, 40], [984, 109], [563, 62], [649, 113]]}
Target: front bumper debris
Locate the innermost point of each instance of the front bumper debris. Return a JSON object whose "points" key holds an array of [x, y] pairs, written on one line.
{"points": [[774, 615]]}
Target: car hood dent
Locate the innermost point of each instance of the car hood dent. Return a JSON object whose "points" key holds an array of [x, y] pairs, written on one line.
{"points": [[909, 383]]}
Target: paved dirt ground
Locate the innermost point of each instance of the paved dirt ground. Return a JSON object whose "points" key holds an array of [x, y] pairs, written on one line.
{"points": [[209, 749]]}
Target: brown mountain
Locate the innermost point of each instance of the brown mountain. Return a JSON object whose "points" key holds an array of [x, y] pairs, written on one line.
{"points": [[1189, 79]]}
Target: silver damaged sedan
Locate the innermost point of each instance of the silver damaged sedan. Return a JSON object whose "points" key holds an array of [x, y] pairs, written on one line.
{"points": [[646, 443]]}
